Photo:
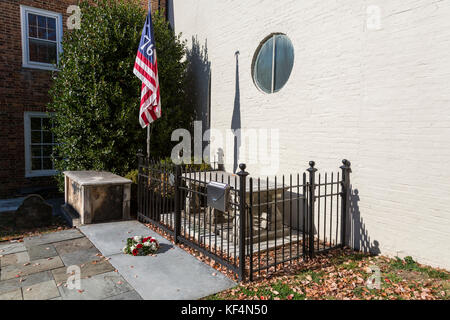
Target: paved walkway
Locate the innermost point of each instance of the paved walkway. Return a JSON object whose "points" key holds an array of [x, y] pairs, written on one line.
{"points": [[37, 267], [171, 274]]}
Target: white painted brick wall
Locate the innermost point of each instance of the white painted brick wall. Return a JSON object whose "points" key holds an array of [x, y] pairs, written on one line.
{"points": [[379, 98]]}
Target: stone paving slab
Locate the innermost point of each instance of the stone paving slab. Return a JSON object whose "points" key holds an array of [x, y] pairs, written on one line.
{"points": [[111, 237], [29, 280], [171, 274], [41, 291], [11, 271], [73, 245], [98, 287], [14, 258], [87, 270], [53, 237], [130, 295], [42, 252], [80, 257], [11, 247], [12, 295]]}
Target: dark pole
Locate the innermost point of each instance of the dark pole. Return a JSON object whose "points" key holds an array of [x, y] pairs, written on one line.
{"points": [[177, 227], [242, 213], [312, 188], [345, 183]]}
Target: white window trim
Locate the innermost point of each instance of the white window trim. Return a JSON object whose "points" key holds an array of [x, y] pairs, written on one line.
{"points": [[27, 133], [24, 10]]}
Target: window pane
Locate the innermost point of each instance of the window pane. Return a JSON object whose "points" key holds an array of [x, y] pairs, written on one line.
{"points": [[42, 33], [47, 151], [284, 61], [32, 31], [47, 137], [32, 19], [36, 151], [42, 22], [47, 164], [35, 136], [263, 66], [35, 123], [51, 35], [45, 123], [42, 51], [36, 164], [51, 23]]}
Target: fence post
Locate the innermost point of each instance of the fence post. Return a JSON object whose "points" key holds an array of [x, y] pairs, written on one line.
{"points": [[140, 155], [345, 184], [177, 213], [311, 197], [242, 213]]}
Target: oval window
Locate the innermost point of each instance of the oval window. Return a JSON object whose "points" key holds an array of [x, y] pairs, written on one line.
{"points": [[273, 64]]}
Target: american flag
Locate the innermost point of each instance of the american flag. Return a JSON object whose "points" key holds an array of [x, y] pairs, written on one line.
{"points": [[146, 69]]}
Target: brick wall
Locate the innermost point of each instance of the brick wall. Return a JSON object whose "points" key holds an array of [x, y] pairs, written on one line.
{"points": [[378, 97], [22, 89]]}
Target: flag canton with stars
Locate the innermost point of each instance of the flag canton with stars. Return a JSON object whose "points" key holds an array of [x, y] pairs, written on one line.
{"points": [[146, 69]]}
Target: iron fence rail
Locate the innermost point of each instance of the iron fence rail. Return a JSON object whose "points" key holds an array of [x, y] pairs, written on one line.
{"points": [[268, 223]]}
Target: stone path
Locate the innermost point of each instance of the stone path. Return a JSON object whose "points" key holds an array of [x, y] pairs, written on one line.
{"points": [[172, 274], [37, 268]]}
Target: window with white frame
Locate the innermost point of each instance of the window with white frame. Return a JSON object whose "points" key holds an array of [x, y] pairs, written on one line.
{"points": [[41, 38], [39, 142]]}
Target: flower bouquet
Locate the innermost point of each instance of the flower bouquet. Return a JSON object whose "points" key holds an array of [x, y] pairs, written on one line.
{"points": [[140, 246]]}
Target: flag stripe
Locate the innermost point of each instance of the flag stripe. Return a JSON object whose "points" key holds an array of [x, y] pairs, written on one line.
{"points": [[146, 69]]}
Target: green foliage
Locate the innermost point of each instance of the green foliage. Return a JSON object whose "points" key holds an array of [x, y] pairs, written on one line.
{"points": [[95, 95], [132, 175], [410, 265]]}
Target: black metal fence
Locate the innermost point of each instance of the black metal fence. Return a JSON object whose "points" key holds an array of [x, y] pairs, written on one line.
{"points": [[268, 223]]}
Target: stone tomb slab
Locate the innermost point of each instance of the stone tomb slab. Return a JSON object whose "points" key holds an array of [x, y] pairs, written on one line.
{"points": [[58, 236], [70, 246], [87, 270], [12, 271], [42, 251], [11, 247], [98, 287], [14, 258], [28, 280], [41, 291]]}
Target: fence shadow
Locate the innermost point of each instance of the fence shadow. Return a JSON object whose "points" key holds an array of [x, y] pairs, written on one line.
{"points": [[358, 235], [236, 118]]}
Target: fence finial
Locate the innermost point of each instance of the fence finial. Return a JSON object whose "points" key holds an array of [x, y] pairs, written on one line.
{"points": [[311, 166], [346, 165]]}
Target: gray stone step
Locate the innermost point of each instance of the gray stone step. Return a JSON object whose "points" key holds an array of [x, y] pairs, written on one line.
{"points": [[71, 216]]}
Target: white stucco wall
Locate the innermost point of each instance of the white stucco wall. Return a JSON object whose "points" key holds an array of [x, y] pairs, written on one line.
{"points": [[380, 98]]}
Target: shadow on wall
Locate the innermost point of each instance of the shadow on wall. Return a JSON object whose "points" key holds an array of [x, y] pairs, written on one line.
{"points": [[358, 236], [236, 118], [199, 75]]}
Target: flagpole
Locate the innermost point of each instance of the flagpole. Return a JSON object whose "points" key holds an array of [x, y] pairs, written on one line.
{"points": [[148, 126]]}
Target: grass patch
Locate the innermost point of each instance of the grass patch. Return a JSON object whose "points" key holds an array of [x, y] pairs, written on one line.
{"points": [[409, 264]]}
